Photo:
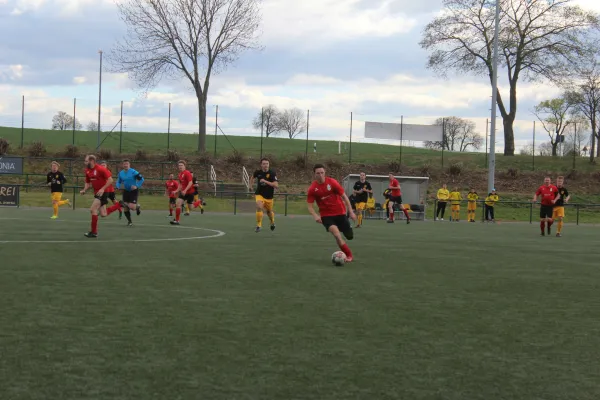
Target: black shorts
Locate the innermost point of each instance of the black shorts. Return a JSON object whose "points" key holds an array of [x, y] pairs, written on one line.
{"points": [[396, 199], [188, 198], [546, 211], [341, 221], [103, 199], [130, 196], [112, 197], [172, 200]]}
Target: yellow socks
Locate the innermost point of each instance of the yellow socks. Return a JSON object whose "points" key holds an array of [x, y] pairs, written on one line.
{"points": [[62, 202], [187, 208], [560, 226], [55, 209], [271, 215], [360, 217], [259, 218]]}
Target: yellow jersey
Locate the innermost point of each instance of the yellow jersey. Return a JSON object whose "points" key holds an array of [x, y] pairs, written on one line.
{"points": [[472, 196], [456, 197], [491, 200], [443, 194]]}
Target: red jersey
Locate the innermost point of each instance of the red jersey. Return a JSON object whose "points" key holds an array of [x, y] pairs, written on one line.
{"points": [[185, 178], [328, 196], [547, 194], [97, 176], [395, 192], [172, 186], [111, 188]]}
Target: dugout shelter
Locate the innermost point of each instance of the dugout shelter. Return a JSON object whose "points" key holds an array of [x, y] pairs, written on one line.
{"points": [[414, 193]]}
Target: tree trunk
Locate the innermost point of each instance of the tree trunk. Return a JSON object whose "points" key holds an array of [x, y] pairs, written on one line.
{"points": [[593, 146], [509, 135], [201, 124], [554, 149]]}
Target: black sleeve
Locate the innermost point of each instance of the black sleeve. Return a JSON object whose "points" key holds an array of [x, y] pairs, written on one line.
{"points": [[369, 186], [62, 177], [139, 177], [356, 186], [566, 194], [274, 176], [255, 175], [48, 178]]}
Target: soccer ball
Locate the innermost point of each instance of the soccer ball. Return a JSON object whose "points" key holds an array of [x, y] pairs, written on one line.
{"points": [[338, 258]]}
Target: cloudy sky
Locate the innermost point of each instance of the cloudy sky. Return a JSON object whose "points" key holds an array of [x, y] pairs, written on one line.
{"points": [[330, 56]]}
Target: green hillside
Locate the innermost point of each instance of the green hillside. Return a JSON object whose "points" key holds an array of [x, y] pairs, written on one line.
{"points": [[282, 148]]}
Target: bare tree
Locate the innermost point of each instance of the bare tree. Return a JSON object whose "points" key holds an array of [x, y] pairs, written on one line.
{"points": [[459, 135], [291, 121], [63, 121], [585, 97], [267, 119], [538, 40], [545, 149], [554, 115], [92, 126], [190, 39], [577, 136], [527, 150]]}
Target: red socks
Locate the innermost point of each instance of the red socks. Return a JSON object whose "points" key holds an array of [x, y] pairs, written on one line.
{"points": [[346, 250], [405, 213], [94, 224], [542, 225], [170, 211], [392, 216], [177, 214], [113, 208], [197, 204]]}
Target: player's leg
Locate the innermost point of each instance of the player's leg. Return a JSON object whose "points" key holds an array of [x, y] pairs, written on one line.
{"points": [[268, 206], [259, 212], [334, 230], [405, 211], [442, 208], [391, 210], [550, 221], [171, 206], [457, 213], [386, 205], [94, 209], [558, 215], [126, 203], [360, 209], [178, 207], [55, 199]]}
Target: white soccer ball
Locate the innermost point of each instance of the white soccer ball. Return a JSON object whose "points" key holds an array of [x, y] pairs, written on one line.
{"points": [[338, 258]]}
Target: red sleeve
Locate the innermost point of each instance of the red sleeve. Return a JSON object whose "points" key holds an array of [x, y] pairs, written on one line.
{"points": [[337, 187], [539, 191], [87, 178], [310, 196], [106, 173]]}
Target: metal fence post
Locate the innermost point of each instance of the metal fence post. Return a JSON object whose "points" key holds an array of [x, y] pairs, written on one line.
{"points": [[286, 205], [434, 210], [235, 203], [74, 196], [530, 213], [577, 206], [27, 183]]}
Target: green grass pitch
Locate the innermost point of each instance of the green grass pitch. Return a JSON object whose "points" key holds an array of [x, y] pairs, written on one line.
{"points": [[427, 310]]}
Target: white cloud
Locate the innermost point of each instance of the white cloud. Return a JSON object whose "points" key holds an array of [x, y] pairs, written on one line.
{"points": [[79, 80], [11, 72]]}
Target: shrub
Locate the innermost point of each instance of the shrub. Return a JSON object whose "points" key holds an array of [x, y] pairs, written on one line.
{"points": [[572, 175], [71, 151], [455, 169], [299, 161], [105, 154], [333, 163], [394, 166], [512, 173], [36, 149], [4, 146], [596, 176], [141, 155], [237, 157], [425, 170], [173, 155], [204, 158]]}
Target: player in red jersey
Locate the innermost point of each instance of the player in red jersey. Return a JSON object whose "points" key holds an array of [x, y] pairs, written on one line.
{"points": [[185, 190], [99, 178], [548, 194], [332, 203], [396, 198], [111, 190], [171, 191]]}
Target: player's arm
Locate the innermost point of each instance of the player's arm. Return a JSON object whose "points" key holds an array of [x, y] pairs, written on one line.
{"points": [[109, 181], [139, 179], [119, 180], [187, 188], [348, 205], [354, 189], [166, 190], [48, 179], [568, 196], [369, 189], [85, 187], [311, 210], [535, 196]]}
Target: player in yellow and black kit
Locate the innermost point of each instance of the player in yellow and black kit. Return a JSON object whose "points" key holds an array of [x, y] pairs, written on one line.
{"points": [[56, 180], [558, 212], [266, 183], [362, 189], [386, 204], [472, 198]]}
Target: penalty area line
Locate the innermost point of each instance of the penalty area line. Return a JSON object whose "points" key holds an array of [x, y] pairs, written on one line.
{"points": [[215, 233]]}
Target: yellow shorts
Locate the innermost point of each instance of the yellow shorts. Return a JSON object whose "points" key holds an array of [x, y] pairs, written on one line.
{"points": [[196, 196], [471, 206], [558, 212], [56, 196], [455, 207], [267, 203], [361, 206]]}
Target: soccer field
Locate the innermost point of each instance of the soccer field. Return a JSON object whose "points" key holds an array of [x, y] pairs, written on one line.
{"points": [[211, 310]]}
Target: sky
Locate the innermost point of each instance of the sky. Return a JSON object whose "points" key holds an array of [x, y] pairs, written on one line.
{"points": [[332, 57]]}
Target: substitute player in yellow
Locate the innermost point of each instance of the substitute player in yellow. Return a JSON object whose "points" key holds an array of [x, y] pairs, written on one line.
{"points": [[442, 198], [56, 180], [455, 198], [362, 189], [472, 198], [266, 183], [558, 212]]}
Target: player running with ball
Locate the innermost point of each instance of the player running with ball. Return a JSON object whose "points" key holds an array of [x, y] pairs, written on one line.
{"points": [[99, 178], [332, 203]]}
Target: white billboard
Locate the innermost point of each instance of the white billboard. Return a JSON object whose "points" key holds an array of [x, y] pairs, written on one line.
{"points": [[394, 131]]}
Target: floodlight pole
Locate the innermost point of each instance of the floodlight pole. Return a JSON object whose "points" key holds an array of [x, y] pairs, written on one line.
{"points": [[492, 157], [99, 99]]}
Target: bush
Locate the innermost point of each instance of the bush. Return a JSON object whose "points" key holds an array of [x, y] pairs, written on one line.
{"points": [[4, 146], [333, 163], [36, 149], [455, 169], [173, 155], [237, 158], [425, 170], [71, 151], [394, 166], [105, 154], [204, 159], [141, 155], [572, 175], [299, 161], [596, 176], [512, 173], [272, 159]]}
